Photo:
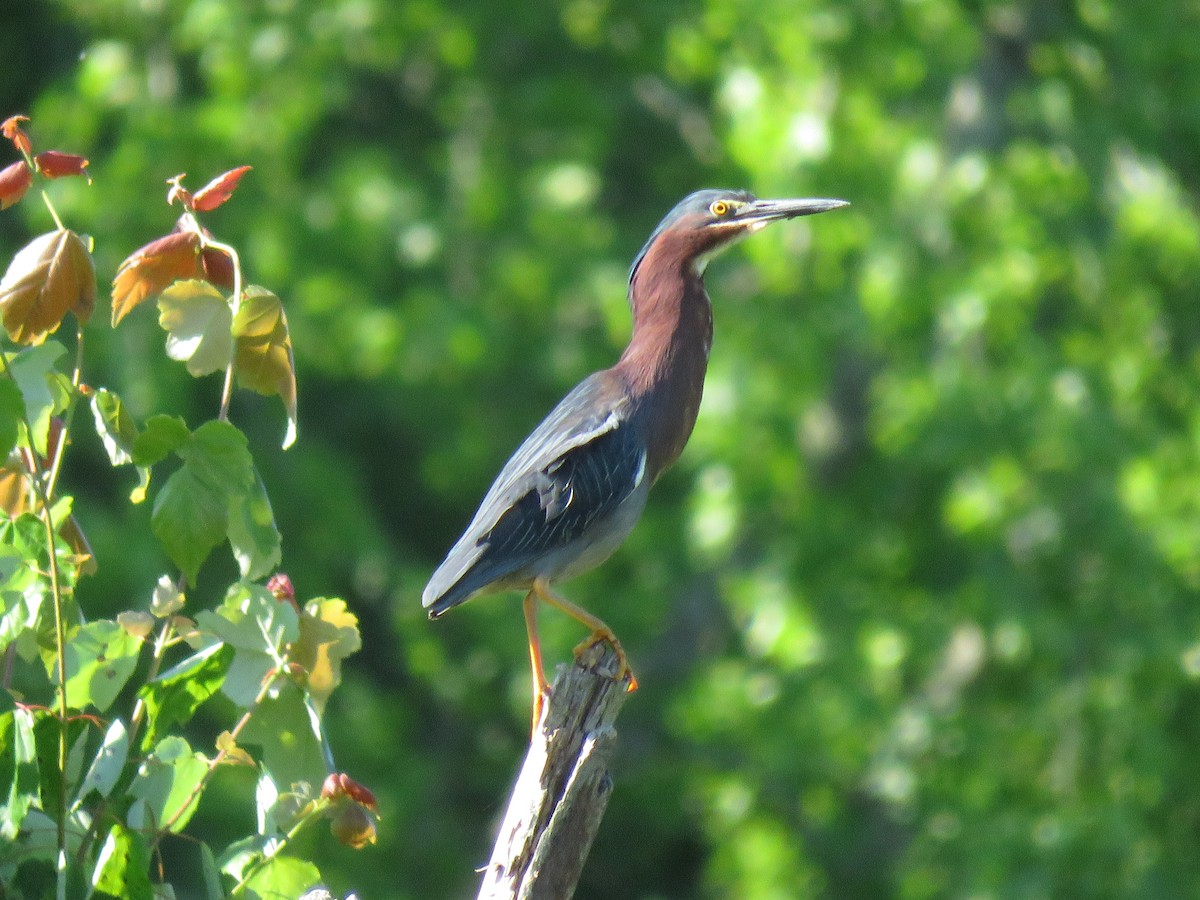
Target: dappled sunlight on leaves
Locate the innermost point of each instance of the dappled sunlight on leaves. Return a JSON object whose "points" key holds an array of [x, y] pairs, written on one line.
{"points": [[50, 277], [264, 351], [152, 269]]}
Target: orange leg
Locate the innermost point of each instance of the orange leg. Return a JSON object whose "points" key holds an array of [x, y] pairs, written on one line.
{"points": [[541, 689], [600, 631]]}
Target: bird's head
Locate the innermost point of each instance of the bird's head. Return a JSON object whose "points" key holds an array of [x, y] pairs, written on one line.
{"points": [[706, 222]]}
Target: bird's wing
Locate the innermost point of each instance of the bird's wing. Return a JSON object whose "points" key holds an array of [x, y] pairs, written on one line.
{"points": [[577, 466]]}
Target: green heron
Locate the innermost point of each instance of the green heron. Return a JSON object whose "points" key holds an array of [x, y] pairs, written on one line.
{"points": [[574, 489]]}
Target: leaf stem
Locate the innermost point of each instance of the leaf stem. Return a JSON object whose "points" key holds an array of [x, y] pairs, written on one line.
{"points": [[68, 414], [160, 649], [41, 490], [53, 211], [227, 388], [317, 810]]}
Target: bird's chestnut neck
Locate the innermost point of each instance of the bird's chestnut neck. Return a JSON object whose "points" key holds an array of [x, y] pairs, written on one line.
{"points": [[664, 365]]}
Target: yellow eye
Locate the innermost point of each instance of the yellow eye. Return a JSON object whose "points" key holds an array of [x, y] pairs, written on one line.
{"points": [[719, 208]]}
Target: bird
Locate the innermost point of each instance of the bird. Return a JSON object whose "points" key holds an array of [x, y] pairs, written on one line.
{"points": [[577, 485]]}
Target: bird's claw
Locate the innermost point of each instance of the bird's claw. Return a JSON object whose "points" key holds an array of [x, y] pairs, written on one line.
{"points": [[623, 673]]}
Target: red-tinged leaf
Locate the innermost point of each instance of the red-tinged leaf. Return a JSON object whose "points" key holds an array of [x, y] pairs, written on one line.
{"points": [[11, 129], [179, 192], [218, 268], [263, 360], [51, 276], [152, 269], [14, 182], [53, 164], [218, 190]]}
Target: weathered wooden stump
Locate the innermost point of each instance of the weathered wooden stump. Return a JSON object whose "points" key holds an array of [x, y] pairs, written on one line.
{"points": [[562, 791]]}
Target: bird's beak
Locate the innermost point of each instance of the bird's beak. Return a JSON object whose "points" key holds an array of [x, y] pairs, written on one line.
{"points": [[758, 213]]}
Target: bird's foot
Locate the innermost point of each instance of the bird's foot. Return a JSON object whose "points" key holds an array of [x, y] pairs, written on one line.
{"points": [[624, 673]]}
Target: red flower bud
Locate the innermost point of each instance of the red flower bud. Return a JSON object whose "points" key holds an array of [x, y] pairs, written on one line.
{"points": [[280, 586], [339, 784]]}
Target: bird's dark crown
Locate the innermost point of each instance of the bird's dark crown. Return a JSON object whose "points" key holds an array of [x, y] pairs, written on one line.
{"points": [[707, 207]]}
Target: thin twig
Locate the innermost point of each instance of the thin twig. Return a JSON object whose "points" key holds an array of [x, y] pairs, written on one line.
{"points": [[160, 648], [68, 414], [223, 752], [316, 810]]}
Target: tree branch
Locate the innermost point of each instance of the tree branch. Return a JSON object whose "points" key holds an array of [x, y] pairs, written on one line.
{"points": [[562, 791]]}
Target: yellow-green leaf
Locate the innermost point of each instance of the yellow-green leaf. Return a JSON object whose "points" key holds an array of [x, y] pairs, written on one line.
{"points": [[328, 634], [197, 320], [49, 277], [264, 361]]}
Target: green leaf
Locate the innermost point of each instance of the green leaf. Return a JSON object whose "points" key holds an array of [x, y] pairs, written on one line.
{"points": [[266, 795], [191, 511], [218, 453], [108, 763], [26, 535], [288, 730], [34, 371], [198, 323], [174, 696], [100, 657], [12, 415], [25, 597], [115, 425], [162, 436], [189, 519], [282, 876], [211, 874], [20, 598], [164, 782], [259, 627], [240, 855], [22, 777], [123, 865], [252, 532]]}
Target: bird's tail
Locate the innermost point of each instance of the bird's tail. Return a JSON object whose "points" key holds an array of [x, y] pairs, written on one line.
{"points": [[444, 593], [439, 606]]}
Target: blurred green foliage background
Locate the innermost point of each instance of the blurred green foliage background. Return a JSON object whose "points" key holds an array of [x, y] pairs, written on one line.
{"points": [[915, 616]]}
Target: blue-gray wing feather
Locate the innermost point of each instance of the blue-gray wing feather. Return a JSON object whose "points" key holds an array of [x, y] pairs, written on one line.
{"points": [[576, 467]]}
